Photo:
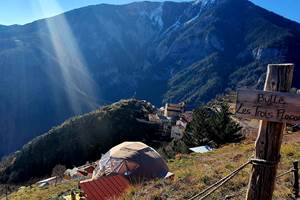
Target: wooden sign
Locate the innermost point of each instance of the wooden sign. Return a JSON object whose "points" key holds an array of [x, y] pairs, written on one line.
{"points": [[269, 106]]}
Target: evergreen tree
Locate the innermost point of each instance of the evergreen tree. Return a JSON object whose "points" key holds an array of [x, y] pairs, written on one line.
{"points": [[212, 124]]}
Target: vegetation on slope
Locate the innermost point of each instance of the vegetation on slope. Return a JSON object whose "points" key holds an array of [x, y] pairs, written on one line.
{"points": [[197, 52], [78, 140], [193, 173], [212, 125]]}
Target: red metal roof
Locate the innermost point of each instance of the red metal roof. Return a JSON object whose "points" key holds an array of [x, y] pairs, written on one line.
{"points": [[106, 187], [89, 169]]}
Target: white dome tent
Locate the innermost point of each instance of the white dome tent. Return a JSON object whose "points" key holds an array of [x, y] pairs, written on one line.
{"points": [[135, 160]]}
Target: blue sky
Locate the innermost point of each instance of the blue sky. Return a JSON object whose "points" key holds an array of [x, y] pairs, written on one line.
{"points": [[25, 11]]}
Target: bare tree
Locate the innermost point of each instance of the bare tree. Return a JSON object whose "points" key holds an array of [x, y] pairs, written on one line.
{"points": [[58, 171]]}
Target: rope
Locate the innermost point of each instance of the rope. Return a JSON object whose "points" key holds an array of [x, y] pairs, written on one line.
{"points": [[241, 192], [234, 195], [262, 162], [220, 182], [284, 173]]}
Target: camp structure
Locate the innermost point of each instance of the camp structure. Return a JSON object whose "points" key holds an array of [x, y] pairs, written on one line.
{"points": [[134, 160]]}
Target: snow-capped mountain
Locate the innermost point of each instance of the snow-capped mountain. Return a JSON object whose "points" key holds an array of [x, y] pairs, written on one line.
{"points": [[55, 68]]}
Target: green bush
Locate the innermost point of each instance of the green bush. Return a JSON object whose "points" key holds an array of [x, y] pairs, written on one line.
{"points": [[212, 125]]}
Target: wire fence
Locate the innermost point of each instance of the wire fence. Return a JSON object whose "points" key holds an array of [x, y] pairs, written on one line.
{"points": [[214, 187]]}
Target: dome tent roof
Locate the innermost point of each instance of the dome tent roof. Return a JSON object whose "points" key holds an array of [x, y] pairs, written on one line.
{"points": [[135, 160]]}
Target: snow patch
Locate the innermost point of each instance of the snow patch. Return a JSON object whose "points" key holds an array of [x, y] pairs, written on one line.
{"points": [[203, 2], [155, 15], [266, 53], [193, 19]]}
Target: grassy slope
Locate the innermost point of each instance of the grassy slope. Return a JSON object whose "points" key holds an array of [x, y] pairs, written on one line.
{"points": [[195, 172], [36, 193]]}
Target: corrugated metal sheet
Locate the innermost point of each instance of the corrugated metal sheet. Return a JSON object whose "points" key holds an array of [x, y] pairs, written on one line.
{"points": [[104, 188], [201, 149]]}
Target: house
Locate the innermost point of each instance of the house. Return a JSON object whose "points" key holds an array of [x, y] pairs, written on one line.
{"points": [[103, 188], [181, 123], [177, 131], [82, 172], [72, 174], [88, 168], [161, 111], [174, 110], [187, 116], [154, 118]]}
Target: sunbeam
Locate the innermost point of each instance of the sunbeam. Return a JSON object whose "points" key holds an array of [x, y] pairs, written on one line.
{"points": [[78, 83]]}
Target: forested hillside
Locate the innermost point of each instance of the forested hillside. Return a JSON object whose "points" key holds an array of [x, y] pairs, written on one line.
{"points": [[56, 68]]}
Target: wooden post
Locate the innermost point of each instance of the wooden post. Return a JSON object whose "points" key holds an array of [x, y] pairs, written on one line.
{"points": [[268, 143], [296, 179]]}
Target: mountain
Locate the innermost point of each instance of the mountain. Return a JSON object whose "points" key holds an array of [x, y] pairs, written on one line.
{"points": [[72, 63], [80, 139]]}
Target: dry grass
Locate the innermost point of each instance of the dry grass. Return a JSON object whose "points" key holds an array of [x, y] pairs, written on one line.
{"points": [[197, 171], [36, 193], [193, 173]]}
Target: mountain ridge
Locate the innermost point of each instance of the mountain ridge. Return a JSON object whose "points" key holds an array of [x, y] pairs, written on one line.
{"points": [[126, 51], [80, 139]]}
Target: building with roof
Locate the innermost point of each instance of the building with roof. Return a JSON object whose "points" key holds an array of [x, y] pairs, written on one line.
{"points": [[174, 110], [103, 188], [187, 116], [81, 172]]}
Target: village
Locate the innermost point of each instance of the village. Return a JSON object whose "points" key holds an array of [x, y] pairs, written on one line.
{"points": [[131, 163], [127, 163]]}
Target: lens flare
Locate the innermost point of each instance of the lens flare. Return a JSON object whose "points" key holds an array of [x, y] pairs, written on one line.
{"points": [[78, 84]]}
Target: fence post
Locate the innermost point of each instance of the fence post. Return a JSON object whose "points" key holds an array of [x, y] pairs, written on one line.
{"points": [[268, 143], [296, 179]]}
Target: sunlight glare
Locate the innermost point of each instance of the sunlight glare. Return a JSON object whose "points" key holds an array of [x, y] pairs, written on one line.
{"points": [[78, 83]]}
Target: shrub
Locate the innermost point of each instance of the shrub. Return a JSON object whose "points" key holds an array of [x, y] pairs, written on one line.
{"points": [[212, 125]]}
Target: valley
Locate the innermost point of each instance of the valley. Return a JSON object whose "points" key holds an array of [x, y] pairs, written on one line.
{"points": [[56, 68]]}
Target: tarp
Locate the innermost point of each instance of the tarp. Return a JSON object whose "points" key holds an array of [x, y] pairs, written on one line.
{"points": [[201, 149]]}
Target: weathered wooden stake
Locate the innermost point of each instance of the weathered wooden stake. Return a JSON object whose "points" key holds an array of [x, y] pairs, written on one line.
{"points": [[296, 179], [268, 143]]}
